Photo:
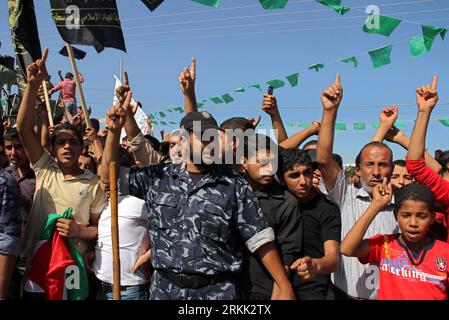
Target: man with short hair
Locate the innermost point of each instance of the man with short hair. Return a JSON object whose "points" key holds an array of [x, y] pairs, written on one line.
{"points": [[353, 280], [198, 217], [400, 176], [68, 87]]}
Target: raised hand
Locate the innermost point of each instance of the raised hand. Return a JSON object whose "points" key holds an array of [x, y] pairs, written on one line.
{"points": [[91, 134], [37, 71], [389, 115], [316, 126], [332, 96], [115, 118], [382, 193], [427, 96], [122, 91], [270, 105], [187, 79]]}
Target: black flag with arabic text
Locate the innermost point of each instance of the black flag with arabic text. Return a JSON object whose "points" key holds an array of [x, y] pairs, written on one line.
{"points": [[89, 22]]}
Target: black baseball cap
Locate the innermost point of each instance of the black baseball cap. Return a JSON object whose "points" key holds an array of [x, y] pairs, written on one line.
{"points": [[205, 119]]}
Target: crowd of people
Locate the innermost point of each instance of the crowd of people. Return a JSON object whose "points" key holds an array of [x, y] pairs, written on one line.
{"points": [[219, 212]]}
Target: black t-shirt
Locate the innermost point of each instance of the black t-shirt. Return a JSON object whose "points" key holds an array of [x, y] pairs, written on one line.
{"points": [[283, 214], [321, 222]]}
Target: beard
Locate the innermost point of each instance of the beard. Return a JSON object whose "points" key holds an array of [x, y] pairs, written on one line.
{"points": [[365, 186]]}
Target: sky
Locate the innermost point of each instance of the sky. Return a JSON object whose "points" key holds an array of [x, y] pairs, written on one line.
{"points": [[240, 43]]}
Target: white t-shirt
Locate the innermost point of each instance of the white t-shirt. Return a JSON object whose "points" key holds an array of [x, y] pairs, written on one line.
{"points": [[133, 240]]}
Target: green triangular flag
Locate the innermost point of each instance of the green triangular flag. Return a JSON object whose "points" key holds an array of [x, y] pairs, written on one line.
{"points": [[444, 122], [317, 67], [163, 123], [257, 86], [340, 126], [155, 122], [336, 5], [216, 100], [276, 83], [376, 125], [163, 115], [293, 79], [273, 4], [359, 126], [172, 122], [179, 109], [430, 32], [304, 125], [199, 105], [169, 110], [241, 89], [227, 98], [419, 46], [351, 59], [381, 56], [211, 3], [385, 26]]}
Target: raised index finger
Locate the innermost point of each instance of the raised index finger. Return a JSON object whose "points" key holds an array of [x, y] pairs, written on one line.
{"points": [[126, 78], [193, 68], [434, 83], [337, 78], [45, 55]]}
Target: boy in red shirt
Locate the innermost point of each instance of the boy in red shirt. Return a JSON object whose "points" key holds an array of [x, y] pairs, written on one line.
{"points": [[412, 264]]}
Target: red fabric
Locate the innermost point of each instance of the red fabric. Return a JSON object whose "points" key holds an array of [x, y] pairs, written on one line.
{"points": [[399, 279], [68, 88], [49, 264], [440, 187]]}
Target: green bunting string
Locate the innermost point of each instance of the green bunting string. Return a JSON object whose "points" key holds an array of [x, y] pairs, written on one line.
{"points": [[257, 86], [163, 115], [381, 57], [381, 25], [227, 98], [444, 122], [216, 100], [241, 89], [359, 126], [340, 126]]}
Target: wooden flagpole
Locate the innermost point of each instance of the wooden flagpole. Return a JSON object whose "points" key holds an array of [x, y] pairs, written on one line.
{"points": [[114, 228], [78, 84], [47, 103]]}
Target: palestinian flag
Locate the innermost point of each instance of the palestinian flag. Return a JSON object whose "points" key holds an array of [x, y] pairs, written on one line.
{"points": [[52, 258]]}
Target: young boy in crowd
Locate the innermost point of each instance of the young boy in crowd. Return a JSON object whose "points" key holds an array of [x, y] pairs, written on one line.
{"points": [[321, 227], [412, 264]]}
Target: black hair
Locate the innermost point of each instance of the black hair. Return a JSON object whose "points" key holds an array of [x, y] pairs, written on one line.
{"points": [[444, 161], [255, 143], [338, 159], [153, 141], [358, 159], [288, 158], [310, 143], [70, 127], [69, 75], [400, 163], [164, 148], [237, 123], [11, 134], [125, 158], [95, 166], [416, 192]]}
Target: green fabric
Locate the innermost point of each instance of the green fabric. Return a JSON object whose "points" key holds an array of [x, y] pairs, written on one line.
{"points": [[276, 83], [199, 105], [227, 98], [386, 25], [317, 67], [304, 125], [430, 32], [336, 5], [155, 122], [340, 126], [273, 4], [293, 79], [172, 122], [351, 60], [381, 56], [179, 109], [211, 3], [419, 46], [163, 123], [163, 115], [7, 76], [216, 100], [376, 125], [257, 86], [73, 294], [241, 89], [444, 122], [359, 126]]}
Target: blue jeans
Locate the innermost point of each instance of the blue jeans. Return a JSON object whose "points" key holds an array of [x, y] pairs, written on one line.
{"points": [[71, 106], [137, 292]]}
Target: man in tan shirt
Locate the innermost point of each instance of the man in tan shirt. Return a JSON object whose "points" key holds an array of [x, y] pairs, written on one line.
{"points": [[60, 183]]}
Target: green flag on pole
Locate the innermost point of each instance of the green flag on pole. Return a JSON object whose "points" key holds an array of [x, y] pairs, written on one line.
{"points": [[276, 84], [381, 57]]}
